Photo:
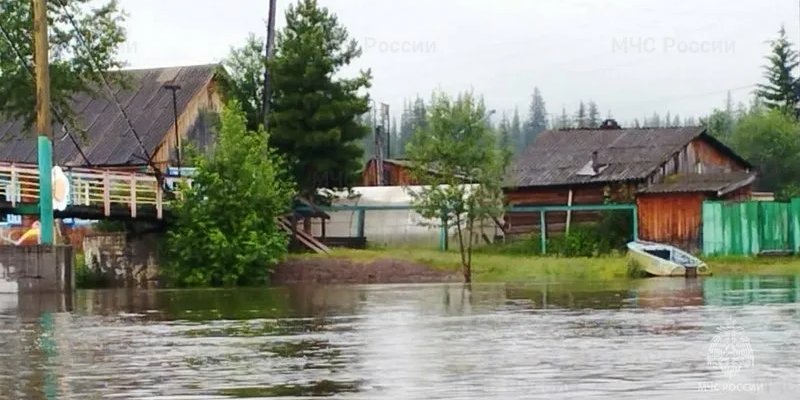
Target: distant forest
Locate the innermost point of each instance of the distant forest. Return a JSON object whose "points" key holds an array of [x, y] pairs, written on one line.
{"points": [[516, 130]]}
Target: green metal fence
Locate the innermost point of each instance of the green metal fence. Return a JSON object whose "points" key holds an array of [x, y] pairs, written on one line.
{"points": [[751, 228]]}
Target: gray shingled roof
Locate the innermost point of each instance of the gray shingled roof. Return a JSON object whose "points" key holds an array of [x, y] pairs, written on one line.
{"points": [[107, 140], [719, 184], [556, 157]]}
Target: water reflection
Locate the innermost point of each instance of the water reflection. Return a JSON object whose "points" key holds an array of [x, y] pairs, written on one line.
{"points": [[620, 340]]}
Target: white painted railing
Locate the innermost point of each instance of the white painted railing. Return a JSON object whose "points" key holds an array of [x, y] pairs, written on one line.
{"points": [[98, 188]]}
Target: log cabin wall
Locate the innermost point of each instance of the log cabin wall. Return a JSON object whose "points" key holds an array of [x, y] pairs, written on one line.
{"points": [[588, 194], [394, 175]]}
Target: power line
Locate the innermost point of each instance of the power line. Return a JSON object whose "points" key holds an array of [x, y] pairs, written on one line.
{"points": [[107, 86], [56, 110]]}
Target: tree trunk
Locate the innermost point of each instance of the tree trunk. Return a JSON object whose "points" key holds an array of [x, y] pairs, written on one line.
{"points": [[465, 268]]}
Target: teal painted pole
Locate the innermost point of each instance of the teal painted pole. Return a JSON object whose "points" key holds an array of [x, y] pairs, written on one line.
{"points": [[443, 245], [635, 225], [543, 223], [46, 190], [361, 222]]}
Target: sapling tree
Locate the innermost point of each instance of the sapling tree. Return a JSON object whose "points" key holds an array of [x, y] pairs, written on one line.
{"points": [[456, 159]]}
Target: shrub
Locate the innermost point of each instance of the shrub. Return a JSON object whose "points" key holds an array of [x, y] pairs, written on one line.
{"points": [[225, 231]]}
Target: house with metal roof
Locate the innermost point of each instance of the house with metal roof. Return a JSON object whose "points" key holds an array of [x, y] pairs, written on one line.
{"points": [[166, 107], [666, 172]]}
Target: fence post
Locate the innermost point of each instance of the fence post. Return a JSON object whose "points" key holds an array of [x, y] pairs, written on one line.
{"points": [[635, 223], [543, 223], [444, 242], [13, 188], [360, 221], [106, 194], [159, 202], [133, 195]]}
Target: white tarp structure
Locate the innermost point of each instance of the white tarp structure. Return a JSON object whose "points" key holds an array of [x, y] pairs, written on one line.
{"points": [[385, 227]]}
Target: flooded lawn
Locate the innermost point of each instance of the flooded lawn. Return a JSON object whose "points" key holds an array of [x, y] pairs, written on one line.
{"points": [[715, 338]]}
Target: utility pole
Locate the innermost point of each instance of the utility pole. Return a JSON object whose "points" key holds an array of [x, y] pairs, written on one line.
{"points": [[269, 52], [174, 89], [44, 128]]}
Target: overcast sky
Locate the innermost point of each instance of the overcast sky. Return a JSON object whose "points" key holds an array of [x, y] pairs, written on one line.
{"points": [[632, 57]]}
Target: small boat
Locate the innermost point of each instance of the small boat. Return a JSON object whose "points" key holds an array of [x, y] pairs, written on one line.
{"points": [[658, 259]]}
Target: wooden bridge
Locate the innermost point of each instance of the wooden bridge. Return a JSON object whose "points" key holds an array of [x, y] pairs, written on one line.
{"points": [[93, 193]]}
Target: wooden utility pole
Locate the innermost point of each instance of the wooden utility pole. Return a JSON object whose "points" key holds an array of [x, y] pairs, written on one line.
{"points": [[268, 53], [44, 128]]}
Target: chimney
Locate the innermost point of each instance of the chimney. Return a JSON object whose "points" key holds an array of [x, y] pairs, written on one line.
{"points": [[595, 164], [610, 124]]}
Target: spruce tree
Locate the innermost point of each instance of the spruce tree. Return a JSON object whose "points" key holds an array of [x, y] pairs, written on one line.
{"points": [[594, 116], [314, 113], [537, 119], [580, 116], [516, 127], [781, 90], [563, 120], [504, 135]]}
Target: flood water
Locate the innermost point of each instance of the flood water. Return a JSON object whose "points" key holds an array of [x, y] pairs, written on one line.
{"points": [[714, 338]]}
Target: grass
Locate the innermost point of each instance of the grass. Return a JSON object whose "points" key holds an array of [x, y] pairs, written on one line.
{"points": [[498, 267], [494, 267]]}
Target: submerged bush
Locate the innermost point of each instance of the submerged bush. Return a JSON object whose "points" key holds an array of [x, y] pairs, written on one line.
{"points": [[225, 231]]}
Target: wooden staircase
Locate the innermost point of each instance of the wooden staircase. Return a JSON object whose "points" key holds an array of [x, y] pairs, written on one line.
{"points": [[304, 238]]}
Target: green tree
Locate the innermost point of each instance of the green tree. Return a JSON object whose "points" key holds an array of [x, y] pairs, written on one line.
{"points": [[770, 139], [537, 119], [580, 116], [225, 231], [593, 117], [563, 121], [74, 67], [314, 112], [504, 136], [515, 131], [460, 147], [781, 89], [245, 67]]}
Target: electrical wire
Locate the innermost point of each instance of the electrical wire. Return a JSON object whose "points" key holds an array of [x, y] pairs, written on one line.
{"points": [[56, 110], [107, 87]]}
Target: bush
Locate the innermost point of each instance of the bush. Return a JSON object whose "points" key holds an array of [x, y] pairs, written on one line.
{"points": [[85, 278], [225, 231]]}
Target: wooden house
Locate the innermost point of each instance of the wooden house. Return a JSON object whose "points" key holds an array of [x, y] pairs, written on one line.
{"points": [[395, 173], [101, 133], [666, 172]]}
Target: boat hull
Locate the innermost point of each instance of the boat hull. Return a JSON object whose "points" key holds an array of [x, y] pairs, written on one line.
{"points": [[658, 266]]}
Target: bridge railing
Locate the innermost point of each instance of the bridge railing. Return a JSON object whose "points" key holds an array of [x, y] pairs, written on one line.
{"points": [[96, 188]]}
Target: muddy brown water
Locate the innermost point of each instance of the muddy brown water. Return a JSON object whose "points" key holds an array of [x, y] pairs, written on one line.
{"points": [[713, 338]]}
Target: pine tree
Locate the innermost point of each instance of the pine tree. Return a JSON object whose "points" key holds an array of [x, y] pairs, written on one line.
{"points": [[516, 128], [537, 119], [313, 117], [580, 116], [504, 135], [563, 120], [781, 89], [655, 121], [668, 120], [676, 122], [636, 123], [594, 116]]}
